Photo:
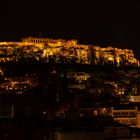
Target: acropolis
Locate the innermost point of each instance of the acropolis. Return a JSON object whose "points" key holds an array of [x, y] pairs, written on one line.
{"points": [[46, 48]]}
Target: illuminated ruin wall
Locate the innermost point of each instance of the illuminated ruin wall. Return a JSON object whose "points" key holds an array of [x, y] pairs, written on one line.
{"points": [[44, 48]]}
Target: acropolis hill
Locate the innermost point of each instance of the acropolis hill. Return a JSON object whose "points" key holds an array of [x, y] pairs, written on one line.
{"points": [[45, 48]]}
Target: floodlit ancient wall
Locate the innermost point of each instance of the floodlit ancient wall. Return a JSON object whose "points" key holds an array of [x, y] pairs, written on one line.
{"points": [[69, 49]]}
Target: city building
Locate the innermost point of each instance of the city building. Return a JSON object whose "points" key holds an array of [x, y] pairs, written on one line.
{"points": [[126, 115]]}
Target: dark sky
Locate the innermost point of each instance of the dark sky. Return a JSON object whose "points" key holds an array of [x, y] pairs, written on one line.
{"points": [[115, 23]]}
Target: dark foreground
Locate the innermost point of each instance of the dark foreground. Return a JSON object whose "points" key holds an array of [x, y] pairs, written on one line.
{"points": [[89, 129]]}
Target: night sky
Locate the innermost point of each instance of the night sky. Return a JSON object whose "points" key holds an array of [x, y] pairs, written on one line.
{"points": [[115, 23]]}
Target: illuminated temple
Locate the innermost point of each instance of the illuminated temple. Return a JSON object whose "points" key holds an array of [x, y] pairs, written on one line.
{"points": [[45, 48]]}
